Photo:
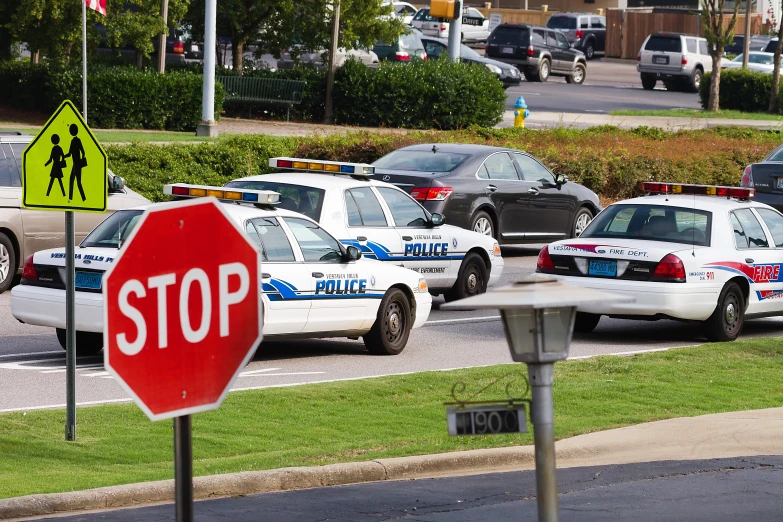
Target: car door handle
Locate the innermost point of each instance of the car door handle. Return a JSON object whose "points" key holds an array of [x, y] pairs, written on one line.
{"points": [[533, 191], [407, 238], [361, 238], [492, 188], [264, 275], [748, 259], [317, 275]]}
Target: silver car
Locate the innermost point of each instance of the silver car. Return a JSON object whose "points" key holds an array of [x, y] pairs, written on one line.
{"points": [[678, 60], [320, 58]]}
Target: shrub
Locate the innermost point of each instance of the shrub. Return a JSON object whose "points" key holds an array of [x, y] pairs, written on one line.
{"points": [[740, 90], [421, 95]]}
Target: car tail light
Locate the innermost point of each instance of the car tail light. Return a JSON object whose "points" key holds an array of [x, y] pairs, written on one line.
{"points": [[544, 261], [670, 269], [747, 177], [179, 48], [639, 57], [402, 56], [486, 48], [579, 34], [684, 60], [431, 194], [29, 273], [530, 50], [424, 56], [443, 27]]}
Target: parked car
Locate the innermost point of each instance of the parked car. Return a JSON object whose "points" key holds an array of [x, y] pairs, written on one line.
{"points": [[757, 61], [24, 231], [757, 43], [677, 59], [772, 44], [405, 11], [320, 58], [538, 52], [504, 193], [766, 177], [179, 48], [508, 74], [475, 27], [406, 47], [585, 31]]}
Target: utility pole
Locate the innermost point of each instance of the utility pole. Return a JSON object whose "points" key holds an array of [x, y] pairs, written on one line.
{"points": [[746, 49], [455, 32], [208, 126], [164, 13], [332, 54]]}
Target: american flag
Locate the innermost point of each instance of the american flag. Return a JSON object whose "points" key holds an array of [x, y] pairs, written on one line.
{"points": [[97, 5]]}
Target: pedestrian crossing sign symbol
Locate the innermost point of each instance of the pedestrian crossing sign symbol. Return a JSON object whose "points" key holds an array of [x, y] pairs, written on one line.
{"points": [[64, 167]]}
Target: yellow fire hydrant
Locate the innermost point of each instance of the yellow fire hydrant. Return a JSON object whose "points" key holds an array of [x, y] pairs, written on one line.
{"points": [[520, 112]]}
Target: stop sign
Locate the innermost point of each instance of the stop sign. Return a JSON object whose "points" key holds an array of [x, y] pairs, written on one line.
{"points": [[182, 310]]}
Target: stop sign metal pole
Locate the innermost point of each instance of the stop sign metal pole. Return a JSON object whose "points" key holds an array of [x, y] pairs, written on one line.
{"points": [[183, 468], [70, 330]]}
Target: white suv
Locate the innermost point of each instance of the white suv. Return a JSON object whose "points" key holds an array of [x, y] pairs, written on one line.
{"points": [[677, 59]]}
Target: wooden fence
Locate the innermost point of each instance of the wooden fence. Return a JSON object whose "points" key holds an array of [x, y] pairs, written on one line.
{"points": [[519, 16]]}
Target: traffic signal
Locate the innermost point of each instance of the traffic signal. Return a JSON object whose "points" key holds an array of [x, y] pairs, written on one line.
{"points": [[442, 8]]}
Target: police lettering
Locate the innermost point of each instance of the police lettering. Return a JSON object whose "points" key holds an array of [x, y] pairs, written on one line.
{"points": [[340, 286], [426, 249]]}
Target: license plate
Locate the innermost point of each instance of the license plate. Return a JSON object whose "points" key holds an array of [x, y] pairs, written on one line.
{"points": [[91, 280], [779, 184], [507, 50], [662, 60], [602, 268]]}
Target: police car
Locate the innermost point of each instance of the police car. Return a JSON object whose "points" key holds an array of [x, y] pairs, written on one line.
{"points": [[385, 223], [313, 286], [681, 255]]}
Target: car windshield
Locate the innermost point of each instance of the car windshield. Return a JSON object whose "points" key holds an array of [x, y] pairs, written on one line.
{"points": [[421, 161], [561, 22], [299, 198], [664, 44], [764, 59], [652, 223], [114, 230]]}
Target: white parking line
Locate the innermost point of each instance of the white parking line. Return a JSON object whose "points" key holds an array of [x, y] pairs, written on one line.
{"points": [[260, 371], [61, 352], [278, 374]]}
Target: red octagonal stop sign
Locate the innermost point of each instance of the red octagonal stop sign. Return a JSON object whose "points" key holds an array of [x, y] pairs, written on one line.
{"points": [[182, 310]]}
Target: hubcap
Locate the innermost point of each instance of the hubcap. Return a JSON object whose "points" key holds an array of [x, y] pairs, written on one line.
{"points": [[483, 226], [395, 322], [581, 224], [472, 283], [545, 70], [5, 263], [697, 80], [578, 75], [731, 313]]}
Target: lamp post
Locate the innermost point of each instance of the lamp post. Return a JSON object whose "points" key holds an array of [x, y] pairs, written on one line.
{"points": [[538, 315]]}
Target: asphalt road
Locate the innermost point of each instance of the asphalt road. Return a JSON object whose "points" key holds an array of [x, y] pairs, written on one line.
{"points": [[32, 364], [719, 490], [609, 86]]}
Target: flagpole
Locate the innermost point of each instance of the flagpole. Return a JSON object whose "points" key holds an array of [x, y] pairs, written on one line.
{"points": [[84, 60]]}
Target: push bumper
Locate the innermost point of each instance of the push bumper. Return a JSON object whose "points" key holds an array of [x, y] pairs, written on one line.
{"points": [[423, 307], [694, 302], [46, 307], [495, 271]]}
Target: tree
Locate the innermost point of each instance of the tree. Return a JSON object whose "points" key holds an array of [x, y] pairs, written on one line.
{"points": [[773, 95], [718, 35], [50, 27], [7, 10]]}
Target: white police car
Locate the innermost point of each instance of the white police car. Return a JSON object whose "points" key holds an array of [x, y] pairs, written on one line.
{"points": [[385, 223], [681, 255], [313, 286]]}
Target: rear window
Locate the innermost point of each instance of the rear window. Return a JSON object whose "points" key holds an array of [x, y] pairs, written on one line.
{"points": [[410, 41], [664, 44], [561, 22], [510, 36], [652, 223], [114, 230], [777, 155], [305, 200], [421, 161], [424, 16]]}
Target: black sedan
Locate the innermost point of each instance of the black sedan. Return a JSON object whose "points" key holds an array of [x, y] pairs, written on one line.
{"points": [[767, 178], [437, 47], [504, 193]]}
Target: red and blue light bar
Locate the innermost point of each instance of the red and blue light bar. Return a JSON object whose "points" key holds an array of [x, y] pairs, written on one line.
{"points": [[653, 187], [328, 167], [184, 190]]}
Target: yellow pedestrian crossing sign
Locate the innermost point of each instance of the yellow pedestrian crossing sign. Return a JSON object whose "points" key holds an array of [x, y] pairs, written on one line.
{"points": [[64, 167]]}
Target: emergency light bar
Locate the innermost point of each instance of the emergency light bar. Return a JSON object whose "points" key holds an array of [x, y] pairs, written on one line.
{"points": [[699, 190], [330, 167], [258, 197]]}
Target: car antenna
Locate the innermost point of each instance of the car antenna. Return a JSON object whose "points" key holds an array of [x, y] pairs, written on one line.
{"points": [[434, 149]]}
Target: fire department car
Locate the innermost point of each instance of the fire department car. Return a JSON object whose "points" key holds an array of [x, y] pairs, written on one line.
{"points": [[688, 252], [313, 286], [385, 223]]}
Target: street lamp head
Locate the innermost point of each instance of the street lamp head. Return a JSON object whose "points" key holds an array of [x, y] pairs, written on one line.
{"points": [[538, 314]]}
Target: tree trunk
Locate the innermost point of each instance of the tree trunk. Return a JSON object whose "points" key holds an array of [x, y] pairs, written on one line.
{"points": [[237, 48], [139, 60], [5, 44], [773, 93], [35, 56], [713, 103]]}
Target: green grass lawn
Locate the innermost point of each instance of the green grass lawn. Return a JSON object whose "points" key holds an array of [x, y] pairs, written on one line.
{"points": [[698, 113], [132, 136], [384, 417]]}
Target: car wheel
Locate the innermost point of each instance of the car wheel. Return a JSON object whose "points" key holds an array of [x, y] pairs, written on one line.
{"points": [[649, 81], [482, 224], [472, 279], [389, 334], [529, 76], [543, 71], [87, 343], [581, 220], [585, 323], [696, 80], [578, 76], [7, 263], [725, 323], [590, 50]]}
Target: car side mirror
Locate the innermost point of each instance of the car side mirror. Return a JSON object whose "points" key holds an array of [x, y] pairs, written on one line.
{"points": [[353, 253], [436, 220], [116, 184], [561, 179]]}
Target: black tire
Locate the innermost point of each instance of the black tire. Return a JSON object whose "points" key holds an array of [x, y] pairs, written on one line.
{"points": [[530, 76], [87, 343], [7, 263], [544, 70], [472, 279], [725, 323], [585, 323], [649, 81], [578, 76], [579, 224], [483, 224], [695, 81], [590, 50], [389, 334]]}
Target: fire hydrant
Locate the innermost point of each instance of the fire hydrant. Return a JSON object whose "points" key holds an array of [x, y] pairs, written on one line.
{"points": [[521, 112]]}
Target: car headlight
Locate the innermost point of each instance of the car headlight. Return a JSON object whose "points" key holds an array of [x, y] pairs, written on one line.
{"points": [[494, 68], [514, 71]]}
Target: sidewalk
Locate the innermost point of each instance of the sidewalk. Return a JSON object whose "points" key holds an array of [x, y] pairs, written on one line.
{"points": [[725, 435]]}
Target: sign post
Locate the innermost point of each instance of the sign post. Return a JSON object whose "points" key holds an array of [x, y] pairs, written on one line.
{"points": [[46, 162], [180, 326]]}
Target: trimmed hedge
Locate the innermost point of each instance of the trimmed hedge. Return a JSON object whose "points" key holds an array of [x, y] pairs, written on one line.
{"points": [[118, 97], [740, 90], [608, 160]]}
